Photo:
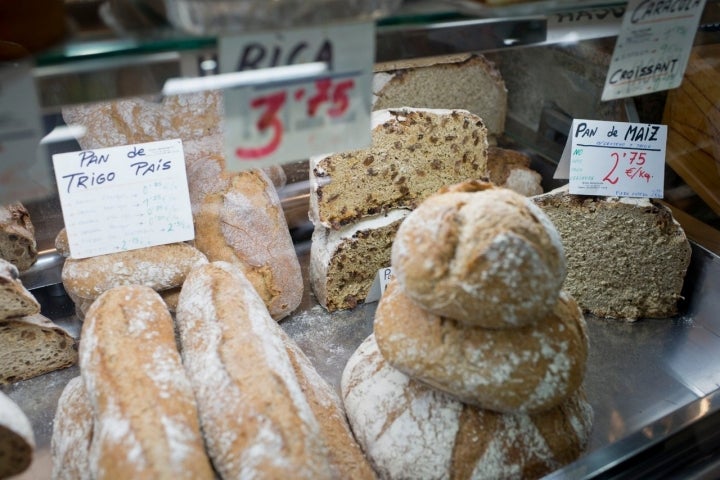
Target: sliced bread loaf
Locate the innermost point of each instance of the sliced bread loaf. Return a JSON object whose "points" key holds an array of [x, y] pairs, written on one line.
{"points": [[32, 346], [470, 82], [15, 299], [414, 152], [626, 258]]}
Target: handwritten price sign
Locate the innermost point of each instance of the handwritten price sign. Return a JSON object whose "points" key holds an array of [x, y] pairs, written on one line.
{"points": [[617, 159], [123, 198], [287, 120]]}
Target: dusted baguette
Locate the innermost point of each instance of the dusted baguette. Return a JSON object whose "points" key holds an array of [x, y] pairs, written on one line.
{"points": [[262, 424], [412, 431], [160, 267], [146, 421], [72, 433], [525, 369], [245, 225]]}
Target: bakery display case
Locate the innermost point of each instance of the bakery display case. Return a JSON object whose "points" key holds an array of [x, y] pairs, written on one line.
{"points": [[652, 383]]}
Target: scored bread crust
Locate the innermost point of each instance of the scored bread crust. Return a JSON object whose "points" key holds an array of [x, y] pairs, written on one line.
{"points": [[410, 430], [15, 299], [17, 236], [487, 258], [72, 433], [627, 257], [33, 345], [146, 419], [160, 267], [245, 225], [17, 440], [264, 423], [525, 369]]}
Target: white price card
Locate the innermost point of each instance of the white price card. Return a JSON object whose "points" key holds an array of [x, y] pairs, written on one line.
{"points": [[124, 198], [286, 120], [653, 47], [380, 283], [24, 165], [617, 159]]}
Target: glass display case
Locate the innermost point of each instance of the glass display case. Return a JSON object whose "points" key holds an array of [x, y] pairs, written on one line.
{"points": [[652, 383]]}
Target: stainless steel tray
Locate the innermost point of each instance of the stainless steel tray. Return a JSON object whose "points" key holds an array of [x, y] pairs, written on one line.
{"points": [[645, 380]]}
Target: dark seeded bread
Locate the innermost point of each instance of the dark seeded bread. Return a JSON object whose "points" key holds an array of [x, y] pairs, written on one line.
{"points": [[31, 346], [17, 236], [413, 153], [626, 258], [17, 441]]}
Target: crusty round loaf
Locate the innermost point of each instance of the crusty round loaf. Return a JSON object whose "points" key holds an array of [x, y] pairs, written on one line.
{"points": [[409, 430], [483, 256], [525, 369], [17, 441], [146, 417]]}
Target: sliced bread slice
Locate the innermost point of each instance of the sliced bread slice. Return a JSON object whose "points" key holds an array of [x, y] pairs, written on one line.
{"points": [[17, 236], [15, 299]]}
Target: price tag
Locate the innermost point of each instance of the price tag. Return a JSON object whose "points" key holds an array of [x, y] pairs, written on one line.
{"points": [[380, 283], [617, 159], [287, 120], [652, 50], [24, 164], [124, 198]]}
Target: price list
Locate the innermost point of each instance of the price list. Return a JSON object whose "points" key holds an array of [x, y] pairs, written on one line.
{"points": [[617, 159], [124, 198]]}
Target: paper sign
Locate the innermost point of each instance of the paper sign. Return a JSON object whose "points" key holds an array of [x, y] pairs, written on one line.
{"points": [[617, 159], [124, 198], [24, 163], [288, 120], [653, 48], [380, 283]]}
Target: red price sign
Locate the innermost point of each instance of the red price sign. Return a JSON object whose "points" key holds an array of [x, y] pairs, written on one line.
{"points": [[617, 159], [288, 118], [329, 92]]}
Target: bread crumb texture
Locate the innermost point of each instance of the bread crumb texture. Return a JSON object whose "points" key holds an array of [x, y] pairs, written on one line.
{"points": [[626, 258]]}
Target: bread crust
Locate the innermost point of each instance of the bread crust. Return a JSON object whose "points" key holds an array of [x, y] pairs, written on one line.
{"points": [[488, 258], [410, 430], [264, 424], [159, 267], [526, 369], [146, 420]]}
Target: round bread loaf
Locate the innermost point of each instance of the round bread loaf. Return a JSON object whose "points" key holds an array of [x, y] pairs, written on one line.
{"points": [[525, 369], [409, 430], [483, 256]]}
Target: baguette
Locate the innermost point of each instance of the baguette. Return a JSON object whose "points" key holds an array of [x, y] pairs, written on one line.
{"points": [[146, 420], [264, 424], [17, 440], [72, 433], [160, 267]]}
